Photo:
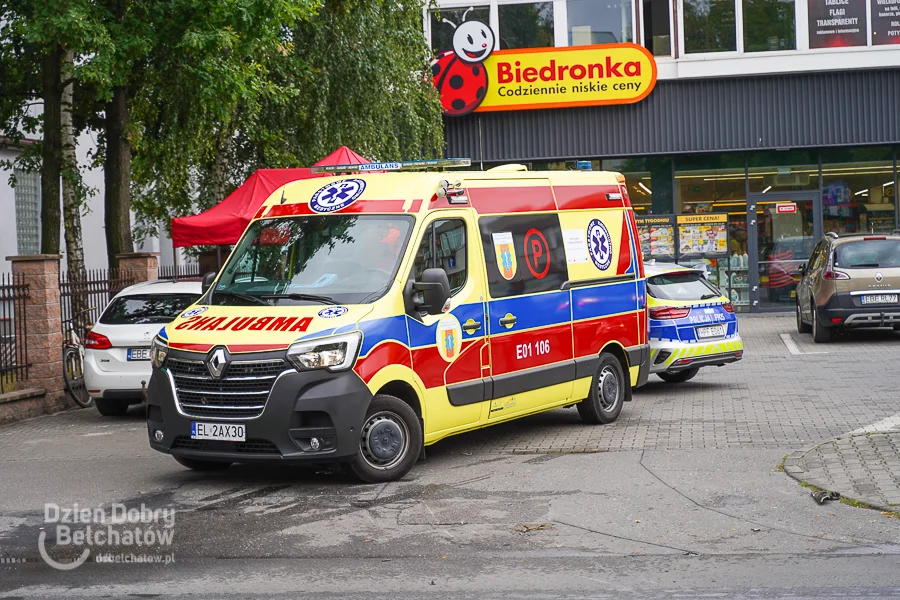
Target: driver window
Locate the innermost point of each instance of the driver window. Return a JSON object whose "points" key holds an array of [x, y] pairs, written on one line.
{"points": [[443, 246]]}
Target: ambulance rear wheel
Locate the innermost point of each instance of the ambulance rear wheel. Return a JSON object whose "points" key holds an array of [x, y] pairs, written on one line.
{"points": [[389, 443], [679, 376], [604, 403]]}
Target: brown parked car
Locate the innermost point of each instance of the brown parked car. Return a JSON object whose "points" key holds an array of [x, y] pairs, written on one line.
{"points": [[850, 281]]}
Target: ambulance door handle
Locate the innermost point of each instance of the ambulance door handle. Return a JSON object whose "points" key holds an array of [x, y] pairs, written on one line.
{"points": [[510, 320], [472, 327]]}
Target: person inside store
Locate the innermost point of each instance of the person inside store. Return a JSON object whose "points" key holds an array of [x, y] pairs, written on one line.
{"points": [[738, 243]]}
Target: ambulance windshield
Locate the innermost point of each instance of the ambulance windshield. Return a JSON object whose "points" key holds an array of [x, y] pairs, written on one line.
{"points": [[330, 259]]}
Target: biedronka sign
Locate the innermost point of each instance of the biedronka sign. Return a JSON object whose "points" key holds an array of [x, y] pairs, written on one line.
{"points": [[472, 77]]}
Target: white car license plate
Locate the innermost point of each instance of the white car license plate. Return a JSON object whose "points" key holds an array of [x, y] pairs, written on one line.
{"points": [[228, 432], [880, 299], [711, 331], [139, 354]]}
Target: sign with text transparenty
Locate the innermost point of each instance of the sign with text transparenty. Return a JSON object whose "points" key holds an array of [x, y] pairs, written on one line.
{"points": [[473, 78]]}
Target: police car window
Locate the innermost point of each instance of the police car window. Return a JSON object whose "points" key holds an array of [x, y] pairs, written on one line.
{"points": [[443, 246], [523, 254], [681, 286]]}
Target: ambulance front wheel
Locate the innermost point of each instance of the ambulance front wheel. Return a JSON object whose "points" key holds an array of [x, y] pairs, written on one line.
{"points": [[389, 443], [604, 403]]}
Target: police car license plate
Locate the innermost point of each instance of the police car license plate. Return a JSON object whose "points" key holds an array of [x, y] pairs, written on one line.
{"points": [[711, 331], [880, 299], [139, 354], [228, 432]]}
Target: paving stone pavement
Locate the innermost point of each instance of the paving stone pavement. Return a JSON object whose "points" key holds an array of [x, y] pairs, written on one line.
{"points": [[861, 466], [774, 399]]}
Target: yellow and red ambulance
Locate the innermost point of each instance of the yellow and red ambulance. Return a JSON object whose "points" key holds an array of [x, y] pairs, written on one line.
{"points": [[362, 317]]}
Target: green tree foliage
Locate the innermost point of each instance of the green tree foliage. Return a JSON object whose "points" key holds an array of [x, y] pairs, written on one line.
{"points": [[355, 74]]}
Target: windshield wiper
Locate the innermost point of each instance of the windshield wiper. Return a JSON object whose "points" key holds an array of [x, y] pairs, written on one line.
{"points": [[307, 297], [709, 296], [239, 296], [864, 266]]}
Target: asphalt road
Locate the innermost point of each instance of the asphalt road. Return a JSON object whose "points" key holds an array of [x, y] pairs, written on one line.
{"points": [[681, 498]]}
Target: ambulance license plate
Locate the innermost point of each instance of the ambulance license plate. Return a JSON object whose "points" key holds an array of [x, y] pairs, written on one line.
{"points": [[227, 432], [711, 331], [880, 299], [138, 354]]}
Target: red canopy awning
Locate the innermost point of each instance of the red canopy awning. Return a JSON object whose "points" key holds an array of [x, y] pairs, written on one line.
{"points": [[224, 223]]}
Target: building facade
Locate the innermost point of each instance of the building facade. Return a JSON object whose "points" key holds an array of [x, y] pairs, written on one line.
{"points": [[771, 123]]}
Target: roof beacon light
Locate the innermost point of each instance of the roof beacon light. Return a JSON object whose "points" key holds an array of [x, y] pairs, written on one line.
{"points": [[409, 165]]}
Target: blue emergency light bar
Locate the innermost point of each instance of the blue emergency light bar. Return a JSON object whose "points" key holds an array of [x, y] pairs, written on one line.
{"points": [[408, 165]]}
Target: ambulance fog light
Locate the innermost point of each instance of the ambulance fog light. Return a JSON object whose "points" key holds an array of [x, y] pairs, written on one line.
{"points": [[158, 436], [315, 444], [335, 353]]}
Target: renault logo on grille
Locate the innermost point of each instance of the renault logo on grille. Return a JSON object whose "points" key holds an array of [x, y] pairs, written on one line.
{"points": [[216, 363], [879, 277]]}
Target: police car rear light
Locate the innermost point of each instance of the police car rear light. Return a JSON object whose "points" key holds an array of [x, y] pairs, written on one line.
{"points": [[668, 312], [683, 361], [728, 307]]}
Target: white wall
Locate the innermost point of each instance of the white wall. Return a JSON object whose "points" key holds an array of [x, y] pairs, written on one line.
{"points": [[8, 214]]}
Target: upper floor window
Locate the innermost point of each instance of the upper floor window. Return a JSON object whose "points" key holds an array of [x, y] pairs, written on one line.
{"points": [[657, 27], [599, 21], [769, 25], [838, 23], [526, 25], [709, 26], [445, 21]]}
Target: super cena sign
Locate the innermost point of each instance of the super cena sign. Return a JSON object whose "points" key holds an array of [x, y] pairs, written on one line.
{"points": [[474, 77]]}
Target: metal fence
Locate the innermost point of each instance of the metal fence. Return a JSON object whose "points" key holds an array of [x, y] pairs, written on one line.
{"points": [[13, 350], [82, 301], [176, 272]]}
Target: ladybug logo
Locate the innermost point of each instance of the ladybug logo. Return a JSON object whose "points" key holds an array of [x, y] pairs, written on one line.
{"points": [[459, 75]]}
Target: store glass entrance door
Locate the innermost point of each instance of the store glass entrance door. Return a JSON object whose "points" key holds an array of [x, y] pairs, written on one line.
{"points": [[785, 232]]}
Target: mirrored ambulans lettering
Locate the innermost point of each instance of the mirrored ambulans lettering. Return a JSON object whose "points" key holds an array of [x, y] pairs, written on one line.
{"points": [[198, 323]]}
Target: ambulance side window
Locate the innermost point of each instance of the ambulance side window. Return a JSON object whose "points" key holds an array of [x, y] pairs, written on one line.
{"points": [[443, 246], [523, 254]]}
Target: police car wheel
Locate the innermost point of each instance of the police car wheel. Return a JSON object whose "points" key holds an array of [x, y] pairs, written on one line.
{"points": [[389, 443], [604, 403], [201, 465], [679, 376]]}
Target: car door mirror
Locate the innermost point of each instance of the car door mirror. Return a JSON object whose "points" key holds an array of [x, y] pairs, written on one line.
{"points": [[432, 292], [802, 269], [207, 282]]}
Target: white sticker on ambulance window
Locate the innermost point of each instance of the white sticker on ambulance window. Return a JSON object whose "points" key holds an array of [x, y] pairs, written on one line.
{"points": [[576, 246]]}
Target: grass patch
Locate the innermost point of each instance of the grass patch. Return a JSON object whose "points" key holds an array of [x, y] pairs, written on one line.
{"points": [[890, 514]]}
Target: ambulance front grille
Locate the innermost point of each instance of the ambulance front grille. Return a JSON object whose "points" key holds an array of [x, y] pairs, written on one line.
{"points": [[240, 393]]}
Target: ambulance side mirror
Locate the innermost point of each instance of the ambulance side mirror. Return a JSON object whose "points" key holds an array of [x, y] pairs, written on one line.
{"points": [[207, 282], [432, 292]]}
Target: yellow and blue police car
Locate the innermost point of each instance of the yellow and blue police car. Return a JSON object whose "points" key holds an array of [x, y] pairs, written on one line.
{"points": [[692, 324]]}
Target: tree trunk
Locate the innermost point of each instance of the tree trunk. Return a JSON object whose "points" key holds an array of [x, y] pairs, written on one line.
{"points": [[71, 183], [50, 167], [117, 167]]}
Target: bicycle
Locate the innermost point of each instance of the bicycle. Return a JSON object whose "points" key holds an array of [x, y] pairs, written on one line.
{"points": [[73, 365]]}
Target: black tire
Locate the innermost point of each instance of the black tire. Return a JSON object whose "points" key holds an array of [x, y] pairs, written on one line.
{"points": [[73, 376], [679, 376], [801, 326], [201, 465], [821, 335], [604, 403], [111, 408], [390, 441]]}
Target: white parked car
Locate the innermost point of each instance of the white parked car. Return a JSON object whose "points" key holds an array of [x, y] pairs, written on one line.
{"points": [[117, 349]]}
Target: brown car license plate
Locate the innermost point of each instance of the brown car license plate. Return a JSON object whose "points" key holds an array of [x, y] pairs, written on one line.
{"points": [[880, 299]]}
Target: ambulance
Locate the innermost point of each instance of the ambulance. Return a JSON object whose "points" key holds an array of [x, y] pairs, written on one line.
{"points": [[363, 317]]}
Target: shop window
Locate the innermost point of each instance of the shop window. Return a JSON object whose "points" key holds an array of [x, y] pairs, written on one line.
{"points": [[709, 26], [789, 171], [768, 25], [526, 25], [649, 183], [657, 28], [599, 21], [885, 19], [858, 193], [443, 246], [442, 30]]}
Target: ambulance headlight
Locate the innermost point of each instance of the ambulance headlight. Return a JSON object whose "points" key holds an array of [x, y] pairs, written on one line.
{"points": [[158, 351], [335, 353]]}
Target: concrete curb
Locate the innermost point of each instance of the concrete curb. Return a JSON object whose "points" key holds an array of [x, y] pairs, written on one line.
{"points": [[796, 467]]}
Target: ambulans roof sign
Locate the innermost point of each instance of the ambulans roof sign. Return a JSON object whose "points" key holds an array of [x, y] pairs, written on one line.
{"points": [[478, 79]]}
